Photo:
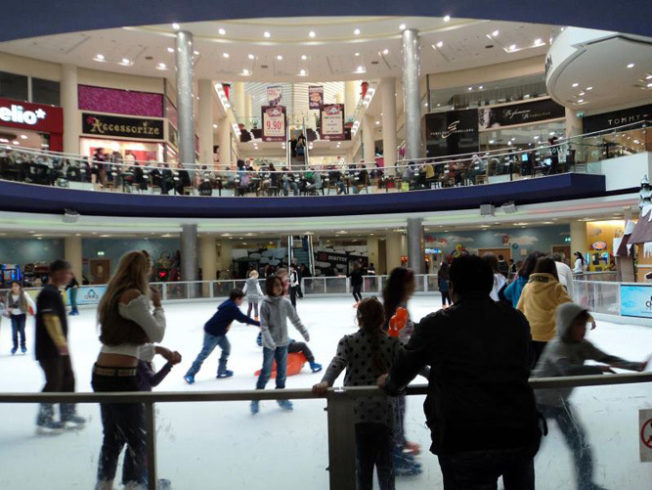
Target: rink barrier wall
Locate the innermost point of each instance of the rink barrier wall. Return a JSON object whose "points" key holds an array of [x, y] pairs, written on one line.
{"points": [[339, 409]]}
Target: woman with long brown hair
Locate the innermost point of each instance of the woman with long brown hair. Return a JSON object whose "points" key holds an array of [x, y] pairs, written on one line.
{"points": [[126, 324]]}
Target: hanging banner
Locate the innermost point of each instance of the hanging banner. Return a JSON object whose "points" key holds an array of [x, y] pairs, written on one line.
{"points": [[315, 96], [274, 123], [332, 122], [274, 95], [523, 113], [452, 132]]}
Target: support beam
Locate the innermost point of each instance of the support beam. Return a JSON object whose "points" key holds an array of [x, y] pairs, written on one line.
{"points": [[411, 93], [415, 244], [205, 122], [388, 101], [185, 101]]}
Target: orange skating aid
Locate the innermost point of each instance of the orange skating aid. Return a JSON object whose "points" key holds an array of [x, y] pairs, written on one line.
{"points": [[295, 364], [398, 322]]}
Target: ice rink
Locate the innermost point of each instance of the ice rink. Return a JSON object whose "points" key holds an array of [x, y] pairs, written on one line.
{"points": [[222, 446]]}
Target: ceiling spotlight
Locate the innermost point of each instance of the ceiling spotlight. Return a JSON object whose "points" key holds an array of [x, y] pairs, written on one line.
{"points": [[512, 47], [377, 123], [356, 32], [225, 55], [575, 85], [304, 57], [302, 73], [125, 62], [311, 34], [470, 88], [538, 41], [161, 66], [589, 88], [360, 69], [245, 72], [631, 65], [267, 34], [195, 52], [495, 33], [170, 50], [440, 44], [480, 87], [649, 85], [357, 54], [99, 57], [385, 51], [23, 137], [402, 27], [250, 56], [214, 126], [582, 93], [447, 18], [279, 57], [175, 26], [580, 101], [221, 31]]}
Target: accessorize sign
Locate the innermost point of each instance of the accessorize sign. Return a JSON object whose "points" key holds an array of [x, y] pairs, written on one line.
{"points": [[274, 95], [452, 132], [522, 113], [315, 96], [123, 127], [274, 123], [609, 120], [332, 122], [37, 117]]}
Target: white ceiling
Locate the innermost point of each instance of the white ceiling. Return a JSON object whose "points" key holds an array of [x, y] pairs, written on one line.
{"points": [[334, 54]]}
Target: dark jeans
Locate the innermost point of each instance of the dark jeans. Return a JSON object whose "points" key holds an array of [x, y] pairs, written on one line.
{"points": [[252, 304], [124, 423], [373, 447], [576, 440], [73, 298], [58, 378], [537, 350], [280, 355], [357, 292], [399, 428], [445, 298], [480, 470], [210, 342], [293, 296], [18, 330], [294, 347]]}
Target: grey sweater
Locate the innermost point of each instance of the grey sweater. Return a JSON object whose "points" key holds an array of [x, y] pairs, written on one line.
{"points": [[252, 290], [274, 313], [562, 357]]}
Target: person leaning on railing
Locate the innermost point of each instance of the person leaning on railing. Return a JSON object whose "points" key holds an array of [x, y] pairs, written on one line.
{"points": [[127, 323]]}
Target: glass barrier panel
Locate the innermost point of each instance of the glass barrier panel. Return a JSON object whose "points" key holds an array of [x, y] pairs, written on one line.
{"points": [[177, 290], [371, 285], [600, 297], [222, 288], [314, 285], [336, 284]]}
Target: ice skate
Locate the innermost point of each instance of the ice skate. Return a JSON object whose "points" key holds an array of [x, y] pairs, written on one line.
{"points": [[13, 350], [49, 428], [23, 350], [315, 367], [405, 464], [104, 485], [285, 404], [254, 407], [224, 374], [74, 422], [189, 378], [412, 448]]}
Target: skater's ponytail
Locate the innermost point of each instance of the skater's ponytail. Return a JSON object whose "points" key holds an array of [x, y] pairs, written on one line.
{"points": [[371, 318]]}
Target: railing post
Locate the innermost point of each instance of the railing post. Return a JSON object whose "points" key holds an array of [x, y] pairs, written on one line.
{"points": [[150, 426], [341, 441], [164, 293]]}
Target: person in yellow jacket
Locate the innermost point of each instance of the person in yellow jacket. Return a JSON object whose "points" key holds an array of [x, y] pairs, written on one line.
{"points": [[539, 300]]}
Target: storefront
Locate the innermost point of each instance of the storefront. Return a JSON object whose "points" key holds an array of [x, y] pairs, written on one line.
{"points": [[36, 126]]}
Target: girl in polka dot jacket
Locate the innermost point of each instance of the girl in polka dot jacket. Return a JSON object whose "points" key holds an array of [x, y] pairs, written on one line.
{"points": [[365, 355]]}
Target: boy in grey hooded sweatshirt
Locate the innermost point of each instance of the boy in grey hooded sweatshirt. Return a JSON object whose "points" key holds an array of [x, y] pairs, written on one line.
{"points": [[565, 356], [274, 312]]}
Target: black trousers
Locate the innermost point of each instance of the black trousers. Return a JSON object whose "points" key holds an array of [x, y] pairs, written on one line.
{"points": [[293, 295], [537, 350], [445, 298], [294, 347], [373, 448], [357, 292], [18, 330], [58, 378], [124, 424]]}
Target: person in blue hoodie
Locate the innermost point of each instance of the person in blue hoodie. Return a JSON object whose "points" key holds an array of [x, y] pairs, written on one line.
{"points": [[512, 293], [215, 331]]}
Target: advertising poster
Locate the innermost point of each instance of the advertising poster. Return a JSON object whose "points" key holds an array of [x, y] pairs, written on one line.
{"points": [[274, 95], [90, 295], [274, 123], [452, 132], [332, 122], [636, 301], [315, 96], [524, 113]]}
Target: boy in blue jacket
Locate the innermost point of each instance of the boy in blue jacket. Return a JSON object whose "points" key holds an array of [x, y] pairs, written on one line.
{"points": [[215, 331]]}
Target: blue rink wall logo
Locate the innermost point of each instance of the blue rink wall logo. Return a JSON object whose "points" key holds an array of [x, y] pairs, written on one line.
{"points": [[636, 301], [90, 295]]}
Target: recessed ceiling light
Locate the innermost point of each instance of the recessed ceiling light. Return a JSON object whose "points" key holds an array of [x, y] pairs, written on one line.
{"points": [[125, 62], [647, 77], [360, 69], [279, 57], [304, 57], [195, 52], [357, 54], [512, 47], [385, 51], [356, 32], [221, 31], [161, 66], [582, 93], [99, 57], [245, 72], [440, 44], [175, 26], [214, 126], [225, 55], [267, 34], [649, 85], [631, 65], [311, 34], [480, 87], [302, 73], [575, 85], [538, 41], [589, 88], [170, 50], [377, 123], [402, 27], [250, 56], [495, 33], [447, 18], [23, 137], [579, 101], [470, 88]]}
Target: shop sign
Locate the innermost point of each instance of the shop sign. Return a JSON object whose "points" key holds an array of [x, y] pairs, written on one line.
{"points": [[123, 127], [274, 123], [524, 113], [315, 96], [614, 119], [452, 132], [636, 300], [599, 246], [332, 122], [274, 95], [31, 116]]}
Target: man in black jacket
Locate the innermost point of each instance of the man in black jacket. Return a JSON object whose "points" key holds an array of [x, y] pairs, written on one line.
{"points": [[480, 408]]}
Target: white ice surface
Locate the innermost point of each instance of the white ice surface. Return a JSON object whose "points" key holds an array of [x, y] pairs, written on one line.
{"points": [[222, 446]]}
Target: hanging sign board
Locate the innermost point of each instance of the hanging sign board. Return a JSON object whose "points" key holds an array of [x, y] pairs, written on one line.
{"points": [[521, 113], [332, 122], [315, 96], [274, 123]]}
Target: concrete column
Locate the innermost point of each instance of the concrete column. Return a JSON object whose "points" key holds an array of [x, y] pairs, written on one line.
{"points": [[205, 121], [70, 105], [248, 115], [411, 93], [415, 244], [185, 100], [372, 250], [73, 253], [573, 123], [224, 142], [189, 255], [388, 102], [394, 250], [579, 238], [225, 259], [368, 147], [207, 262], [350, 97], [238, 99]]}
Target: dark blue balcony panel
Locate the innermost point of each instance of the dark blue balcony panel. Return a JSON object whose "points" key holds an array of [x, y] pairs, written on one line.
{"points": [[42, 199]]}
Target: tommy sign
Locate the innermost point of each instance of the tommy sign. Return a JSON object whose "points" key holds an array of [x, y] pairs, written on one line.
{"points": [[17, 114]]}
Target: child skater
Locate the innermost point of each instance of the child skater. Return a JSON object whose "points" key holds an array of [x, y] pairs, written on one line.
{"points": [[215, 331], [274, 312], [364, 354], [565, 356], [253, 292]]}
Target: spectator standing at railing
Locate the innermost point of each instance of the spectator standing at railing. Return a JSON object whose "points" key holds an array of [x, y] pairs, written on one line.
{"points": [[565, 274], [580, 264], [512, 293], [480, 407], [499, 279]]}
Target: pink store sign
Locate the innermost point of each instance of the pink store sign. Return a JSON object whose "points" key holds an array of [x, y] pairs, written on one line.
{"points": [[117, 101]]}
